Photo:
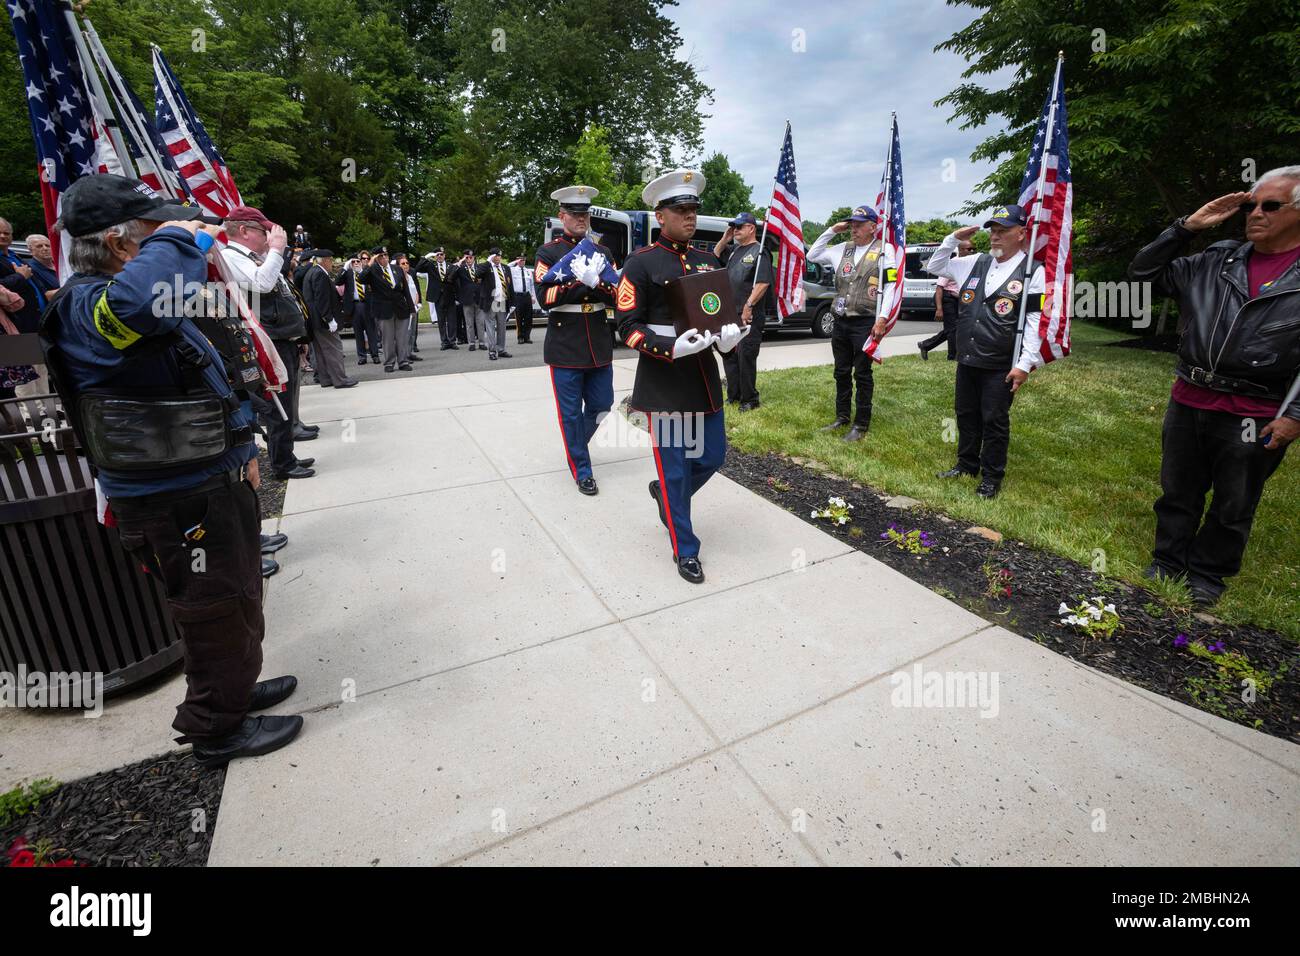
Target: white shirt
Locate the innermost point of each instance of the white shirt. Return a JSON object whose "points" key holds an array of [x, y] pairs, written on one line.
{"points": [[522, 277], [248, 274], [959, 269]]}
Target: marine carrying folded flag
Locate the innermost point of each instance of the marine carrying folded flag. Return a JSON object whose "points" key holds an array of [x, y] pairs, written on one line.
{"points": [[562, 271]]}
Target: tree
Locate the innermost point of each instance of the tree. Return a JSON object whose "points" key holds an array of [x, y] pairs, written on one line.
{"points": [[1170, 105], [725, 192], [594, 166]]}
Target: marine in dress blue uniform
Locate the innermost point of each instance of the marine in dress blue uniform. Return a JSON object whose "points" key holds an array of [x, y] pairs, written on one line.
{"points": [[578, 346], [677, 383]]}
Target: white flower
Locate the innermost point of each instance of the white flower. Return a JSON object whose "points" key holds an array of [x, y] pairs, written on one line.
{"points": [[843, 520], [1063, 609], [814, 514], [1111, 608], [1095, 613]]}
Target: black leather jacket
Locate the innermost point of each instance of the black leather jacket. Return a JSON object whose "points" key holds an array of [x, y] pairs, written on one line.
{"points": [[1230, 342]]}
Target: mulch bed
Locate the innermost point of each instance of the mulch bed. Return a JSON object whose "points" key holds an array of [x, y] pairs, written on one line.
{"points": [[1142, 652], [270, 491], [139, 815]]}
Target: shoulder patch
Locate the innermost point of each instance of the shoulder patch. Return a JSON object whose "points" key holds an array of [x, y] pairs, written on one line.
{"points": [[540, 271], [626, 296]]}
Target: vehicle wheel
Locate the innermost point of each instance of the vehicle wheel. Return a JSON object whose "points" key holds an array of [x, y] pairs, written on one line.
{"points": [[822, 323]]}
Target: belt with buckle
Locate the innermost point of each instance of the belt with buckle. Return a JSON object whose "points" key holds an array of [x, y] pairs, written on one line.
{"points": [[1221, 383], [580, 307]]}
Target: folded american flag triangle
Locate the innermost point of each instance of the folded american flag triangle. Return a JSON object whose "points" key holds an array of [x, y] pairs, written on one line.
{"points": [[562, 271]]}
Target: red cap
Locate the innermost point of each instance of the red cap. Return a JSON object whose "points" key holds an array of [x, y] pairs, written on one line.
{"points": [[249, 214]]}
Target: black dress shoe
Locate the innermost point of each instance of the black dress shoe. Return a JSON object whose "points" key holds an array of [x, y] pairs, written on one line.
{"points": [[255, 736], [306, 462], [504, 354], [389, 368], [473, 347], [838, 423], [1203, 596], [417, 358], [925, 353], [492, 356], [658, 497], [295, 472], [988, 489], [305, 436], [454, 348], [855, 434], [955, 473], [269, 566], [445, 347], [268, 693], [403, 367], [588, 486], [361, 360], [346, 383], [748, 406], [314, 429], [272, 543], [690, 569]]}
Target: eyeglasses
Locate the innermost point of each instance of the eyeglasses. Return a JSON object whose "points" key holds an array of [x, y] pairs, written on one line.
{"points": [[1267, 206]]}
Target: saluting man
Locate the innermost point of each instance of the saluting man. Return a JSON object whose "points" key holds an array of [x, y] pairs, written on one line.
{"points": [[578, 347], [988, 313], [677, 383]]}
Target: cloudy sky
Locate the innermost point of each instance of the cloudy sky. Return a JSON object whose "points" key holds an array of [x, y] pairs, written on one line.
{"points": [[864, 58]]}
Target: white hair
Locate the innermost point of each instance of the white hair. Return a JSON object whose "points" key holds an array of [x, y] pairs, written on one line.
{"points": [[90, 254], [1282, 172], [36, 235]]}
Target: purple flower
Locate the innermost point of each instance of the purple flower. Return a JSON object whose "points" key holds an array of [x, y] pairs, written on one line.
{"points": [[1180, 640], [884, 534], [1217, 646]]}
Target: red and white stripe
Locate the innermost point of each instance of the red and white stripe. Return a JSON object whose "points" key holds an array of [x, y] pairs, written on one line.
{"points": [[190, 161], [784, 220]]}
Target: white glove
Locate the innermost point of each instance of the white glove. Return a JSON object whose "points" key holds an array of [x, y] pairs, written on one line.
{"points": [[334, 326], [588, 270], [731, 336], [692, 341]]}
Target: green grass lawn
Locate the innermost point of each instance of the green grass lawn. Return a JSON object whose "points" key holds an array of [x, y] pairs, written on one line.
{"points": [[1084, 466]]}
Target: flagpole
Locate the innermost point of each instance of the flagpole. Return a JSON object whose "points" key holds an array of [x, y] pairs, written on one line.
{"points": [[127, 113], [887, 197], [1038, 205], [96, 91], [763, 238]]}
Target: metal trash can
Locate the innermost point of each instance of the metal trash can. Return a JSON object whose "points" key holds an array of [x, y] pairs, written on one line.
{"points": [[71, 600]]}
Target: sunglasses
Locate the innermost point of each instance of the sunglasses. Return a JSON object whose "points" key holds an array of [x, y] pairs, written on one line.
{"points": [[1267, 206]]}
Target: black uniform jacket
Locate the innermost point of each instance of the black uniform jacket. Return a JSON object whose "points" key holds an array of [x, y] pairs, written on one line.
{"points": [[574, 339], [690, 384], [324, 304], [387, 300]]}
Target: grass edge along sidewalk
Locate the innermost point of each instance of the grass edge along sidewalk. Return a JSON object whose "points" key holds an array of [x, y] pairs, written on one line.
{"points": [[1083, 471]]}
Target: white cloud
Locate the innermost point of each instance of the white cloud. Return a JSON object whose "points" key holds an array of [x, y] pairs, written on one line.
{"points": [[864, 58]]}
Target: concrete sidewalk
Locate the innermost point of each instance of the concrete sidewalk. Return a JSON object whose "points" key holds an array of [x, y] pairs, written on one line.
{"points": [[496, 669]]}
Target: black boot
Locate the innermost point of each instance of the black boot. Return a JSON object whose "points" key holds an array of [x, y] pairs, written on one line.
{"points": [[255, 736]]}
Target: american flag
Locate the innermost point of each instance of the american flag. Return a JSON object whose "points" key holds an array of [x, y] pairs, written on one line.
{"points": [[1047, 195], [196, 157], [63, 124], [783, 219], [892, 231]]}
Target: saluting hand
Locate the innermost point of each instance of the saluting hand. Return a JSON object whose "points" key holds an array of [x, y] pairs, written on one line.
{"points": [[1215, 211], [965, 232]]}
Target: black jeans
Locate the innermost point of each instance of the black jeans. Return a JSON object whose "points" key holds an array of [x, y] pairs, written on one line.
{"points": [[852, 367], [213, 582], [741, 365], [983, 404], [1200, 451], [279, 432], [947, 333], [523, 317], [447, 320]]}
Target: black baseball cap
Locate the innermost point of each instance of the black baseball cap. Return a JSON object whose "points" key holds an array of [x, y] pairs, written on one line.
{"points": [[93, 203], [744, 219], [1011, 215]]}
